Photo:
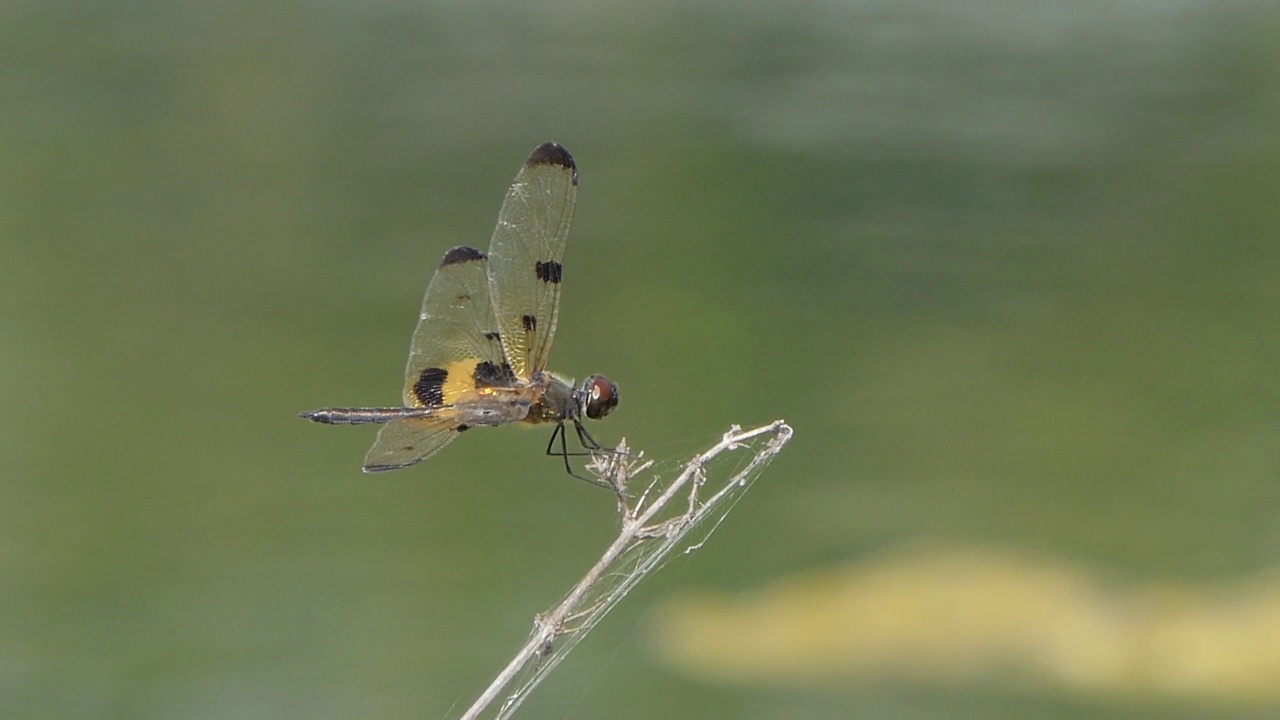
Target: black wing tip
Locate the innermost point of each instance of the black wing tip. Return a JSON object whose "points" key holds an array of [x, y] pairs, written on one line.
{"points": [[553, 153], [461, 254]]}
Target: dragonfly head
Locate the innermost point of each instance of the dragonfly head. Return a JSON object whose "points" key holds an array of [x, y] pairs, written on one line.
{"points": [[598, 397]]}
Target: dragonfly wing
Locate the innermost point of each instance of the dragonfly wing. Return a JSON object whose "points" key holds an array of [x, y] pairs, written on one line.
{"points": [[408, 441], [456, 331], [525, 256]]}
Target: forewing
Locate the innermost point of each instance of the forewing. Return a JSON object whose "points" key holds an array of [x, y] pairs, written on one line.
{"points": [[408, 441], [456, 323], [525, 256]]}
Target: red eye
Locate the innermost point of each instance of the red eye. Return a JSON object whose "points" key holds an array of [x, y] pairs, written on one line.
{"points": [[601, 396]]}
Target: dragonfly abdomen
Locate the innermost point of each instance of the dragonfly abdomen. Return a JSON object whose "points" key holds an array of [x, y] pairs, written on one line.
{"points": [[363, 416]]}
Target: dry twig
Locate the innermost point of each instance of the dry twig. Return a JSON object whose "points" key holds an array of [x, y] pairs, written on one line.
{"points": [[652, 526]]}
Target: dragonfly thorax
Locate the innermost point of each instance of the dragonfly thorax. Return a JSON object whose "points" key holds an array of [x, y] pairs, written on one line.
{"points": [[562, 401]]}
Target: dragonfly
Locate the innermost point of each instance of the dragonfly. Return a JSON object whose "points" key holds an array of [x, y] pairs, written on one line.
{"points": [[478, 357]]}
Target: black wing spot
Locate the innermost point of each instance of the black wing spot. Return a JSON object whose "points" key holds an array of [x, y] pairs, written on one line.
{"points": [[549, 271], [530, 323], [493, 336], [461, 254], [463, 428], [488, 374], [430, 387]]}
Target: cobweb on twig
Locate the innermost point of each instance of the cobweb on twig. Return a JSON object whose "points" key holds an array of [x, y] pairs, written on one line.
{"points": [[654, 523]]}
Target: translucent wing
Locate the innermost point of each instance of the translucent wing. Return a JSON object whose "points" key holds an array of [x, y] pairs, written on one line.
{"points": [[408, 441], [525, 256], [456, 329]]}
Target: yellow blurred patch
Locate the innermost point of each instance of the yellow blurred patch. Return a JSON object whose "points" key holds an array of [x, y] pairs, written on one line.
{"points": [[943, 616]]}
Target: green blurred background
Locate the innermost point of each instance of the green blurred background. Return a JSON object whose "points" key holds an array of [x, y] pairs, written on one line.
{"points": [[1011, 272]]}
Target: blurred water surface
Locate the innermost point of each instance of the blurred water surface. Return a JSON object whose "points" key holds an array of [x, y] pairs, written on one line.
{"points": [[1010, 272]]}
